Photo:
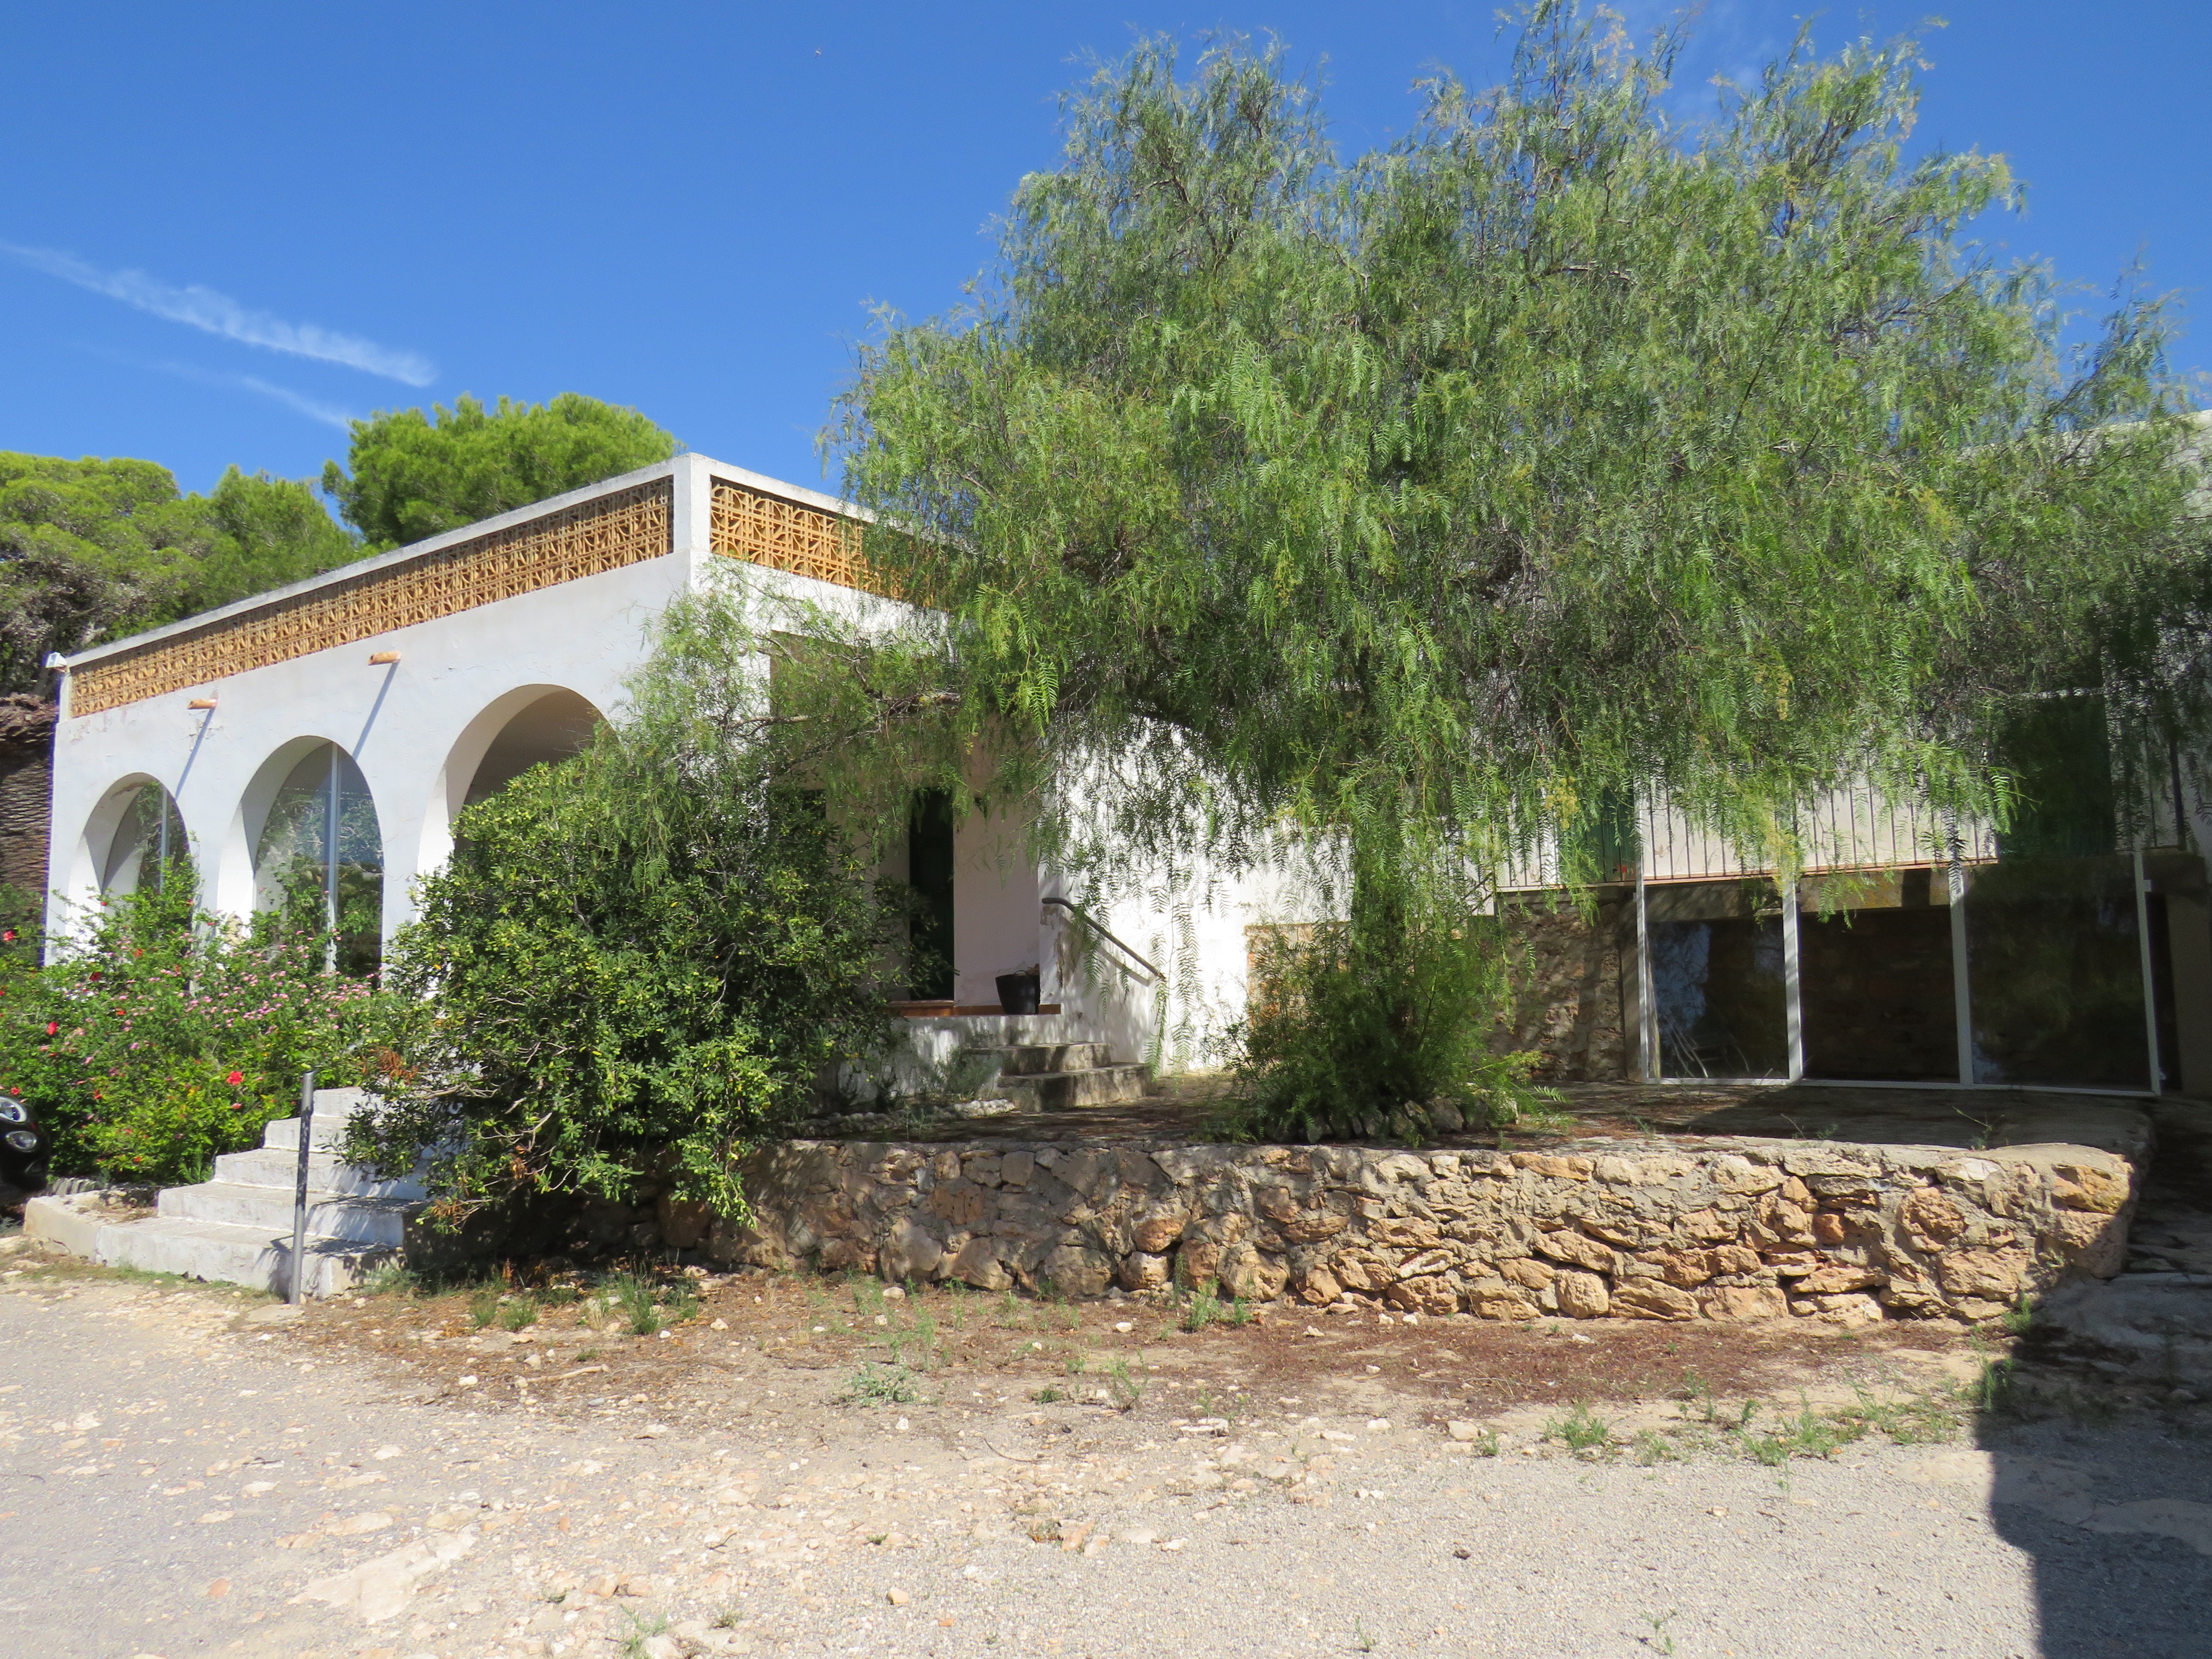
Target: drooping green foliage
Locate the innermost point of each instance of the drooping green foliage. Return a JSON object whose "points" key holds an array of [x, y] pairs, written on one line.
{"points": [[1555, 455], [638, 962], [92, 549], [157, 1037], [409, 475]]}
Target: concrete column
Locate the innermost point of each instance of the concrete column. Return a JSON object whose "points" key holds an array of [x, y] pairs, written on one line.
{"points": [[1793, 1002], [1962, 1001], [691, 517], [2189, 954]]}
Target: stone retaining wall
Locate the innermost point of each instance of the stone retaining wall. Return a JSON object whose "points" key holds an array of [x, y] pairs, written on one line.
{"points": [[1574, 979], [1739, 1228]]}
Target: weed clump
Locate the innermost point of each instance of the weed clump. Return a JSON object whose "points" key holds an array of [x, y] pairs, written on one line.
{"points": [[1580, 1431], [875, 1384]]}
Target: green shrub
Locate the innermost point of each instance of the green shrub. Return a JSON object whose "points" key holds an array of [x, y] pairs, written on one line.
{"points": [[1200, 1309], [159, 1037], [1358, 1027], [637, 963]]}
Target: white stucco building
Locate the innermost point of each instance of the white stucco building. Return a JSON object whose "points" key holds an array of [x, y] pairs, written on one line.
{"points": [[423, 678], [431, 675]]}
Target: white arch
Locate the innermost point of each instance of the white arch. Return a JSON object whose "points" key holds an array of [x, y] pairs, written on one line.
{"points": [[81, 889], [541, 722], [232, 882]]}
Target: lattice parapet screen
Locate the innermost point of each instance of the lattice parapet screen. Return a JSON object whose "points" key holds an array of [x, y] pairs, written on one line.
{"points": [[604, 533], [767, 530]]}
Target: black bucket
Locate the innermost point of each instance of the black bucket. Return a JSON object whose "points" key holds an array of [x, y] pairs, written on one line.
{"points": [[1018, 993]]}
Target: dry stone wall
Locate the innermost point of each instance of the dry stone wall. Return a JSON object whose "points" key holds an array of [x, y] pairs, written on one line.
{"points": [[1574, 984], [1733, 1230]]}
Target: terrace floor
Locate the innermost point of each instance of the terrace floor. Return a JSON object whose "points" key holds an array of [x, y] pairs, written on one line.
{"points": [[1189, 1109]]}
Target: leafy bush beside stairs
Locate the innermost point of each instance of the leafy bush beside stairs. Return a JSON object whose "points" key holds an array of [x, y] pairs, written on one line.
{"points": [[162, 1035]]}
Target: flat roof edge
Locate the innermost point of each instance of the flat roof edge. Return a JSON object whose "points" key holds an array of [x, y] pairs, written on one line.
{"points": [[464, 534]]}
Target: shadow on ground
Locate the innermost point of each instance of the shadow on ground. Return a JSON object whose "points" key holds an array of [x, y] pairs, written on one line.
{"points": [[2101, 1466]]}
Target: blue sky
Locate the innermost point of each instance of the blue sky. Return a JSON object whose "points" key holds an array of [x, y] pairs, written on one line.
{"points": [[227, 228]]}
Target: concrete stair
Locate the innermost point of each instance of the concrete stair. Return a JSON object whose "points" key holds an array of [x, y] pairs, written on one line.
{"points": [[1058, 1077], [238, 1227]]}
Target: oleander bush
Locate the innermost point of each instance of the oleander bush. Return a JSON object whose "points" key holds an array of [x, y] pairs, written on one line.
{"points": [[158, 1036]]}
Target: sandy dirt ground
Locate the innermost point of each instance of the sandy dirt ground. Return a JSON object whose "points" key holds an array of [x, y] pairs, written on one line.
{"points": [[801, 1466]]}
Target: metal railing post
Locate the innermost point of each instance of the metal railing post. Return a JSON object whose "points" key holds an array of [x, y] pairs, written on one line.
{"points": [[300, 1190]]}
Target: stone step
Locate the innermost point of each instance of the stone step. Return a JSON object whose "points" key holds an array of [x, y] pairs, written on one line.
{"points": [[1041, 1058], [360, 1220], [1060, 1091], [284, 1135], [254, 1257], [277, 1166]]}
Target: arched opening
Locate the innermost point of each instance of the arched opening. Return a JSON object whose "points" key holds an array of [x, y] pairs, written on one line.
{"points": [[146, 846], [120, 849], [527, 726], [320, 854], [551, 727]]}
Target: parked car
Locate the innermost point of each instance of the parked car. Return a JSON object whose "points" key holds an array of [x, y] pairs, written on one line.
{"points": [[23, 1145]]}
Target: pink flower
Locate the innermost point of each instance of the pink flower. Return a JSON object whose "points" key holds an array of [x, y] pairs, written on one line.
{"points": [[235, 1080]]}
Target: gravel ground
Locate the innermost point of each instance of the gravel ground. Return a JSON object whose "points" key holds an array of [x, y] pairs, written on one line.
{"points": [[188, 1470]]}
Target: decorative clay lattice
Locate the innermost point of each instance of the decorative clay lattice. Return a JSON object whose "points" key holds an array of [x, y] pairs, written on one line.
{"points": [[604, 533], [766, 529]]}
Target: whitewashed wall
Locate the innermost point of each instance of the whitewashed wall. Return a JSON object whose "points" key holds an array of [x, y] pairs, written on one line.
{"points": [[416, 728]]}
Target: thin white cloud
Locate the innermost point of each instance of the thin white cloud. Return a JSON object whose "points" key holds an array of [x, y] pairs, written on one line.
{"points": [[219, 314], [328, 414]]}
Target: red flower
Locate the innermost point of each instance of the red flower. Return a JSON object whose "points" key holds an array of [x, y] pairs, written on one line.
{"points": [[7, 936], [235, 1078], [53, 1027], [236, 1107]]}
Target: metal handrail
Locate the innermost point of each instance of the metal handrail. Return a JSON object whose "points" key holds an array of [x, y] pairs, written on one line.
{"points": [[1100, 928], [298, 1285]]}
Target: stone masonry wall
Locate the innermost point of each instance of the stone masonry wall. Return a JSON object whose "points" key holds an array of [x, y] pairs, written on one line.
{"points": [[1734, 1229], [1573, 976]]}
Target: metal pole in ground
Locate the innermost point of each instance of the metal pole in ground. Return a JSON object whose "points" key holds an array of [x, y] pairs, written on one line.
{"points": [[330, 869], [300, 1190]]}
